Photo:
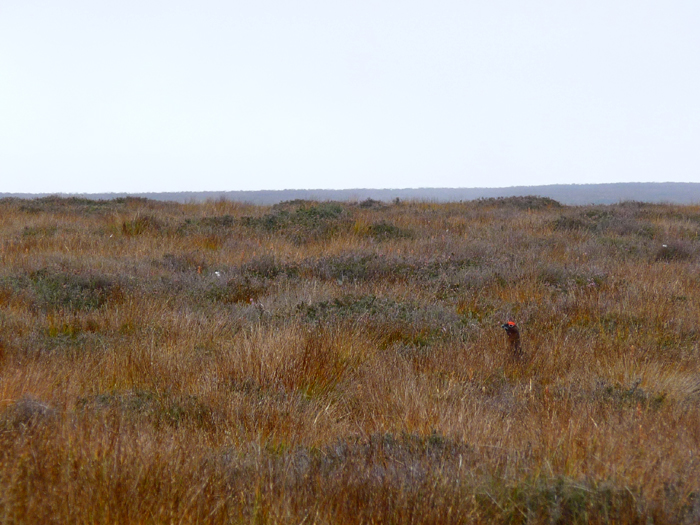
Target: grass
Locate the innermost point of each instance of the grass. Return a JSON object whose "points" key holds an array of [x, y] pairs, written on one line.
{"points": [[344, 362]]}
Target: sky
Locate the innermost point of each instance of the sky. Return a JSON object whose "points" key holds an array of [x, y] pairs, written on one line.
{"points": [[213, 95]]}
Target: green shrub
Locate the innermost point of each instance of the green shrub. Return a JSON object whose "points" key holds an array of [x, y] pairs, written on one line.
{"points": [[56, 290]]}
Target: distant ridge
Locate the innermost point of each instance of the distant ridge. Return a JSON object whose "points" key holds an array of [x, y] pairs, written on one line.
{"points": [[570, 194]]}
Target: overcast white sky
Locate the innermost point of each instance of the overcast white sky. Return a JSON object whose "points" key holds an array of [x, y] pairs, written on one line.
{"points": [[176, 95]]}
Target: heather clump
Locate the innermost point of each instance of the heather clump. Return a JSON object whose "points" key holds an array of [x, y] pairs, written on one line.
{"points": [[301, 222]]}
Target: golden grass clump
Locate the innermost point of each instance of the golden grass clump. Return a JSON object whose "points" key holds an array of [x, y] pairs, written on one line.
{"points": [[325, 362]]}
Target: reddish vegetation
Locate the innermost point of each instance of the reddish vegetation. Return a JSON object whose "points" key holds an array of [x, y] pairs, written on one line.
{"points": [[324, 362]]}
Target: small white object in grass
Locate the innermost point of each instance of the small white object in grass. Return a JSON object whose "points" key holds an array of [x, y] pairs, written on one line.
{"points": [[664, 245], [218, 274]]}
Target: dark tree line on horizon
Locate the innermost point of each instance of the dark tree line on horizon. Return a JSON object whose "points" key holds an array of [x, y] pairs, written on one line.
{"points": [[569, 194]]}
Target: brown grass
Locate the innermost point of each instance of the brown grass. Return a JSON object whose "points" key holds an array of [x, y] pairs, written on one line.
{"points": [[344, 363]]}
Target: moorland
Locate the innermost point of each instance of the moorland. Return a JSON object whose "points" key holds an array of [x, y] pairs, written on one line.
{"points": [[327, 362]]}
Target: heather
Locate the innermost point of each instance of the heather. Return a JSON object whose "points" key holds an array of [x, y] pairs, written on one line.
{"points": [[328, 362]]}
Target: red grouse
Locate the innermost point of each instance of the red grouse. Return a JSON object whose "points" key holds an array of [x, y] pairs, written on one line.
{"points": [[513, 337]]}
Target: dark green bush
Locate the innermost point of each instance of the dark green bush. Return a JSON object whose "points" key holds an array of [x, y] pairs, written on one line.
{"points": [[527, 202], [56, 290], [675, 251], [383, 231], [301, 224]]}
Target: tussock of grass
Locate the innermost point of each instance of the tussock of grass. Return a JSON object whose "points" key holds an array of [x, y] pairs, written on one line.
{"points": [[324, 362]]}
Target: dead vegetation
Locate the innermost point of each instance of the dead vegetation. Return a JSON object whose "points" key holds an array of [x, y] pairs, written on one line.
{"points": [[322, 362]]}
